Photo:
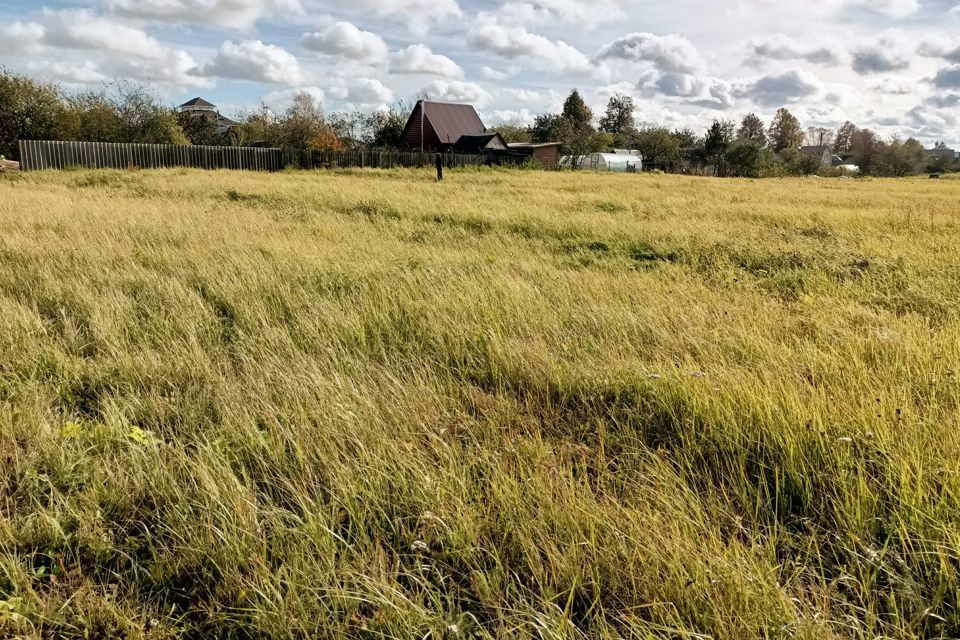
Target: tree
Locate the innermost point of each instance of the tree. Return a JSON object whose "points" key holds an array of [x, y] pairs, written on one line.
{"points": [[28, 110], [865, 150], [573, 127], [753, 130], [899, 158], [658, 146], [301, 124], [348, 127], [785, 131], [843, 140], [820, 137], [804, 164], [717, 141], [686, 138], [551, 127], [748, 158], [384, 128], [514, 132], [200, 129], [93, 117], [576, 112], [618, 118], [142, 118], [258, 127]]}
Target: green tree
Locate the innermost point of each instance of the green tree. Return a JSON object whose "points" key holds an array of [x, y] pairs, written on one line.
{"points": [[258, 128], [686, 138], [551, 127], [384, 128], [785, 131], [843, 140], [658, 146], [200, 129], [618, 118], [796, 163], [572, 128], [348, 127], [865, 148], [752, 129], [899, 158], [28, 111], [576, 112], [141, 117], [515, 132], [748, 158], [715, 144], [301, 124], [93, 117]]}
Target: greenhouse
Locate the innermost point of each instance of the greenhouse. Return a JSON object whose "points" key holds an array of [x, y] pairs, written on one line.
{"points": [[612, 162]]}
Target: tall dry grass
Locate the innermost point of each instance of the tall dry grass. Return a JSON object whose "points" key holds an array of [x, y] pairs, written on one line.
{"points": [[367, 405]]}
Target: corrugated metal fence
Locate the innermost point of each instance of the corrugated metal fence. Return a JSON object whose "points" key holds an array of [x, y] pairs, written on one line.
{"points": [[37, 155]]}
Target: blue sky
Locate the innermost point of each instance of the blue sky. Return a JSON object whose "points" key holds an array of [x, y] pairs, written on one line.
{"points": [[893, 65]]}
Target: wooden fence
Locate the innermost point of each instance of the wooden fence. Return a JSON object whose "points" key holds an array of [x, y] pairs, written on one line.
{"points": [[37, 155]]}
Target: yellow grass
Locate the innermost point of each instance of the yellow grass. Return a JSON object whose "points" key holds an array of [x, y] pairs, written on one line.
{"points": [[511, 405]]}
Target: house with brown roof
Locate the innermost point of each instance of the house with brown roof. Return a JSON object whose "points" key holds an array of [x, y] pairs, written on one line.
{"points": [[437, 126], [446, 127]]}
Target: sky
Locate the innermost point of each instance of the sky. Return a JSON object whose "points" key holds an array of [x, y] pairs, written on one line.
{"points": [[891, 65]]}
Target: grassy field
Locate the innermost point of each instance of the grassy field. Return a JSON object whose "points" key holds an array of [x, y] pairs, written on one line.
{"points": [[511, 405]]}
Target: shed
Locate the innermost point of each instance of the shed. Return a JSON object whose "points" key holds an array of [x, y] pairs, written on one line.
{"points": [[480, 143], [546, 154], [437, 126]]}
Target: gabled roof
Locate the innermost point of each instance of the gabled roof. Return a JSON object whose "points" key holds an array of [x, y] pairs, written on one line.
{"points": [[451, 121], [533, 145], [198, 102], [471, 142]]}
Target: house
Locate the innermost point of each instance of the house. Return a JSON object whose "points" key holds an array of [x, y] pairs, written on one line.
{"points": [[819, 151], [450, 127], [545, 154], [941, 153], [198, 107], [437, 126]]}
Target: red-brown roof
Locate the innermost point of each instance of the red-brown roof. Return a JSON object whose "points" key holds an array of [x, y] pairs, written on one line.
{"points": [[450, 121]]}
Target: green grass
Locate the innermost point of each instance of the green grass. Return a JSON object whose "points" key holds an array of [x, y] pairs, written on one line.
{"points": [[511, 405]]}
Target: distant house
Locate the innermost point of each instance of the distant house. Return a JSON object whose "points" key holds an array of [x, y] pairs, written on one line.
{"points": [[450, 127], [941, 153], [200, 108], [437, 126], [820, 151]]}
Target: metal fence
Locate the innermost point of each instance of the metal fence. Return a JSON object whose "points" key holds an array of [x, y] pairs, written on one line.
{"points": [[37, 155]]}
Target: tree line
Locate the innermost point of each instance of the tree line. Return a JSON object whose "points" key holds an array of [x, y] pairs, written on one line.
{"points": [[749, 148], [129, 112], [132, 113]]}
